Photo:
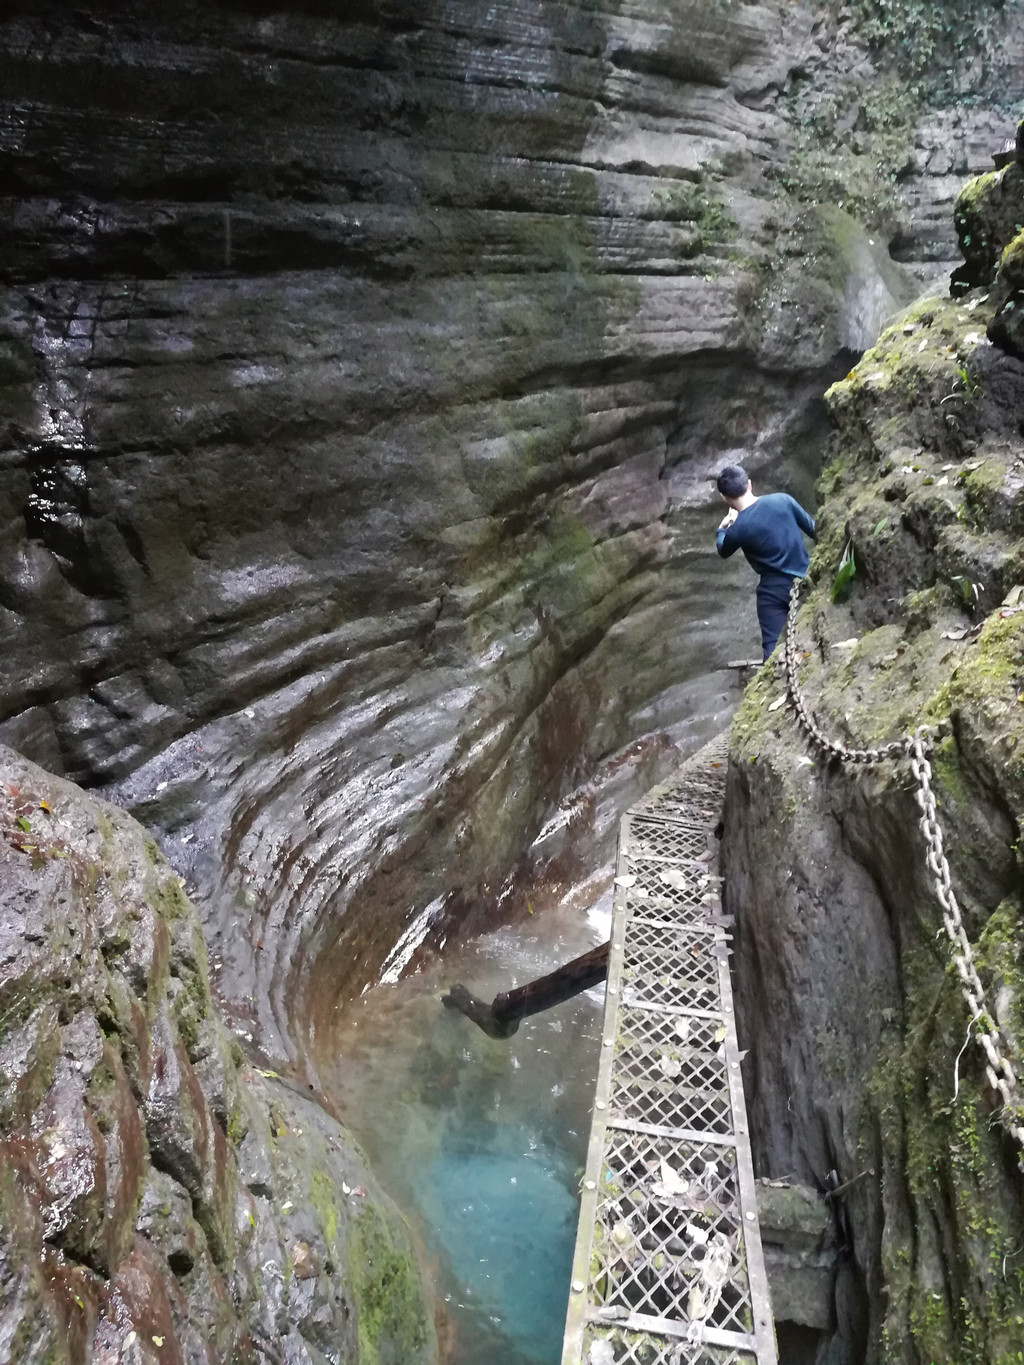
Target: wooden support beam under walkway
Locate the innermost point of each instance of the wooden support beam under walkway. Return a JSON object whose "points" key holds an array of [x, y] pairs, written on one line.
{"points": [[668, 1267]]}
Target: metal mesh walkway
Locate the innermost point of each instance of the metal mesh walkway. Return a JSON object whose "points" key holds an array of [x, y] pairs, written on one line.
{"points": [[668, 1267]]}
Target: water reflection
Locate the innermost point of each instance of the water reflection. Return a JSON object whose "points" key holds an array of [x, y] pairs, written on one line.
{"points": [[481, 1142]]}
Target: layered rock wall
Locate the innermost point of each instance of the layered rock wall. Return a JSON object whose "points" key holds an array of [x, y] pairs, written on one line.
{"points": [[361, 375]]}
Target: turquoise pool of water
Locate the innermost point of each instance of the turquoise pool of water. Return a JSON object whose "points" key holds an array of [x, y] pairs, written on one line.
{"points": [[481, 1142]]}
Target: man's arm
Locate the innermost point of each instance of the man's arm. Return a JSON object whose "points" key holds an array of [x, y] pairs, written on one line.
{"points": [[803, 519], [726, 540]]}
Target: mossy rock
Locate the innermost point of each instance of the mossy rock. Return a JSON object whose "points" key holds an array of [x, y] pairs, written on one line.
{"points": [[988, 214], [925, 477], [1007, 326], [393, 1328], [137, 1145]]}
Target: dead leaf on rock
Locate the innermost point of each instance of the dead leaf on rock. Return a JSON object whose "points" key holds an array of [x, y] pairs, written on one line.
{"points": [[779, 701], [672, 1182], [671, 876], [304, 1261]]}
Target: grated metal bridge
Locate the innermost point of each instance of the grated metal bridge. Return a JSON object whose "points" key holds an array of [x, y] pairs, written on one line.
{"points": [[668, 1268]]}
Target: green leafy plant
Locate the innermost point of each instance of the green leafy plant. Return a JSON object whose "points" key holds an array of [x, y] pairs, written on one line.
{"points": [[969, 592], [971, 382], [844, 574], [925, 39]]}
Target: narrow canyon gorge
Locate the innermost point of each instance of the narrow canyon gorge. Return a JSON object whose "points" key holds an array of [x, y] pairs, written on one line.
{"points": [[364, 374]]}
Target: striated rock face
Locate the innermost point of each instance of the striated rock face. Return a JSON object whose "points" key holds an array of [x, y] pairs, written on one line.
{"points": [[161, 1199], [861, 1061], [362, 369]]}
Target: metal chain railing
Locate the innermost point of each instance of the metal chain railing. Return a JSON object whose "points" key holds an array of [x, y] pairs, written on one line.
{"points": [[896, 749], [998, 1069]]}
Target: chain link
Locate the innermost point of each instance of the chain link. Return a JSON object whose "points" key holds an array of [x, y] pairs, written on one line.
{"points": [[835, 747], [998, 1069]]}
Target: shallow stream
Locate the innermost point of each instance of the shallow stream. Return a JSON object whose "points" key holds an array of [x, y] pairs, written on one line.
{"points": [[481, 1142]]}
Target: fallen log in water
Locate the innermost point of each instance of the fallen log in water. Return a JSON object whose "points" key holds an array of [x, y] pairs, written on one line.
{"points": [[501, 1018]]}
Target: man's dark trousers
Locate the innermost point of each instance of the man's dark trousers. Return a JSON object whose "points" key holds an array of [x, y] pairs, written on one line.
{"points": [[773, 591]]}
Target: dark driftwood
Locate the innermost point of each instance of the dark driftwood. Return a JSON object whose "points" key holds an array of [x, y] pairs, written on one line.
{"points": [[502, 1016]]}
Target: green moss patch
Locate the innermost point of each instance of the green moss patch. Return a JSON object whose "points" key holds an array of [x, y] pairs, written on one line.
{"points": [[323, 1196], [392, 1325]]}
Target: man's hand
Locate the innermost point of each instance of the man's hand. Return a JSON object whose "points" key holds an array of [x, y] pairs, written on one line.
{"points": [[728, 519]]}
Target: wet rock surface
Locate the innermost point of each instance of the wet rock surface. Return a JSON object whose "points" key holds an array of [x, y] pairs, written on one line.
{"points": [[861, 1061], [162, 1198], [798, 1241], [361, 378], [361, 375]]}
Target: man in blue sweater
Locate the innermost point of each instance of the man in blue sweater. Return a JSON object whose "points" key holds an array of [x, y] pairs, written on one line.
{"points": [[768, 531]]}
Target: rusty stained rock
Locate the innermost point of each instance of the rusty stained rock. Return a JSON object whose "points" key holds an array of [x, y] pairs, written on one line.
{"points": [[150, 1205]]}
